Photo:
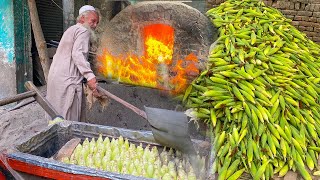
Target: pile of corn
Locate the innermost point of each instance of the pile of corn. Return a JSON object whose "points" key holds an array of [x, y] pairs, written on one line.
{"points": [[121, 156], [260, 92]]}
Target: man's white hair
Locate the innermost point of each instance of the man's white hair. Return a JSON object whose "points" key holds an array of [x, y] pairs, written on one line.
{"points": [[85, 13]]}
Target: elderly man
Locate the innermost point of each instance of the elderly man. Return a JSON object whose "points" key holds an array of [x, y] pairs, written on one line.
{"points": [[70, 66]]}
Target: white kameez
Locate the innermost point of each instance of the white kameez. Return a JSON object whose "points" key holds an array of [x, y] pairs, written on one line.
{"points": [[68, 68]]}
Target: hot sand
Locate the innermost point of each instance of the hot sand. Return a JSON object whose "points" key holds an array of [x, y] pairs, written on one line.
{"points": [[19, 124]]}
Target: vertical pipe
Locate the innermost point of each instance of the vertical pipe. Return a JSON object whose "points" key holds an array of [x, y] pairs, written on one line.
{"points": [[68, 14]]}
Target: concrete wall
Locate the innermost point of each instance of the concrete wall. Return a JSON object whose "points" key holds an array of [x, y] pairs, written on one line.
{"points": [[304, 13], [15, 61], [7, 62]]}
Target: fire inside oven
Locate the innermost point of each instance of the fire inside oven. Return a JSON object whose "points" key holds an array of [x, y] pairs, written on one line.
{"points": [[156, 67]]}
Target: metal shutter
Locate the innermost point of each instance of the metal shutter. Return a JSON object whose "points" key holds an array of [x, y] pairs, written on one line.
{"points": [[51, 19]]}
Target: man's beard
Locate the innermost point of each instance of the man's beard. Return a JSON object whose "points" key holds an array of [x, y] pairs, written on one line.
{"points": [[93, 36]]}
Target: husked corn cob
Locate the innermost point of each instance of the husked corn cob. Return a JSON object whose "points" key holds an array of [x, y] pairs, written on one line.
{"points": [[121, 156]]}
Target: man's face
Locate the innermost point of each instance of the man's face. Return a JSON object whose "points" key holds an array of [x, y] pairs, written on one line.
{"points": [[91, 19]]}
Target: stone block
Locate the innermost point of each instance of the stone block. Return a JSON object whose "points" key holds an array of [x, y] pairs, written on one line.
{"points": [[268, 3], [275, 5], [316, 30], [304, 13], [316, 7], [309, 28], [289, 16], [295, 23], [279, 5], [310, 34], [302, 28], [313, 19], [316, 14], [283, 5], [289, 12], [291, 5], [305, 18], [312, 24], [297, 6], [316, 25], [316, 39], [297, 18], [220, 1], [290, 176], [307, 8]]}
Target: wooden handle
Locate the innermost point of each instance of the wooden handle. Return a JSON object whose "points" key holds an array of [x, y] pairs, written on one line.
{"points": [[17, 97], [67, 149], [44, 103], [126, 104]]}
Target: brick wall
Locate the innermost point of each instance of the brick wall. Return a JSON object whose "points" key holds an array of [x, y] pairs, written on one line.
{"points": [[304, 13]]}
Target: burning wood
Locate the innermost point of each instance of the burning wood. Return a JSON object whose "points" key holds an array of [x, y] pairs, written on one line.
{"points": [[156, 68]]}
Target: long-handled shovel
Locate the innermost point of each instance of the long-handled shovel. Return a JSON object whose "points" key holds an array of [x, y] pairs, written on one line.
{"points": [[169, 128]]}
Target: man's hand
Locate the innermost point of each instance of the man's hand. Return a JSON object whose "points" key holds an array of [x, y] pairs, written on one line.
{"points": [[92, 84]]}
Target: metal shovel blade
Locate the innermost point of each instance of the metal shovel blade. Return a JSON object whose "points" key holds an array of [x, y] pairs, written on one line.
{"points": [[170, 128]]}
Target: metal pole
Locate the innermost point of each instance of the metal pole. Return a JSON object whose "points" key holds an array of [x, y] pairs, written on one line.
{"points": [[68, 13]]}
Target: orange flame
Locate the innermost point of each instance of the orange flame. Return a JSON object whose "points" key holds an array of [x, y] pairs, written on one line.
{"points": [[156, 67]]}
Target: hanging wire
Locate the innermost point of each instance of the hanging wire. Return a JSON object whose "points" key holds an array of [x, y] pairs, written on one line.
{"points": [[57, 5]]}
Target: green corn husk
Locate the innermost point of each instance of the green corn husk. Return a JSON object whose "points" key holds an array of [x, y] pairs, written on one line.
{"points": [[92, 146], [99, 140], [90, 161], [182, 174], [156, 174], [167, 176], [150, 170], [97, 160], [259, 93]]}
